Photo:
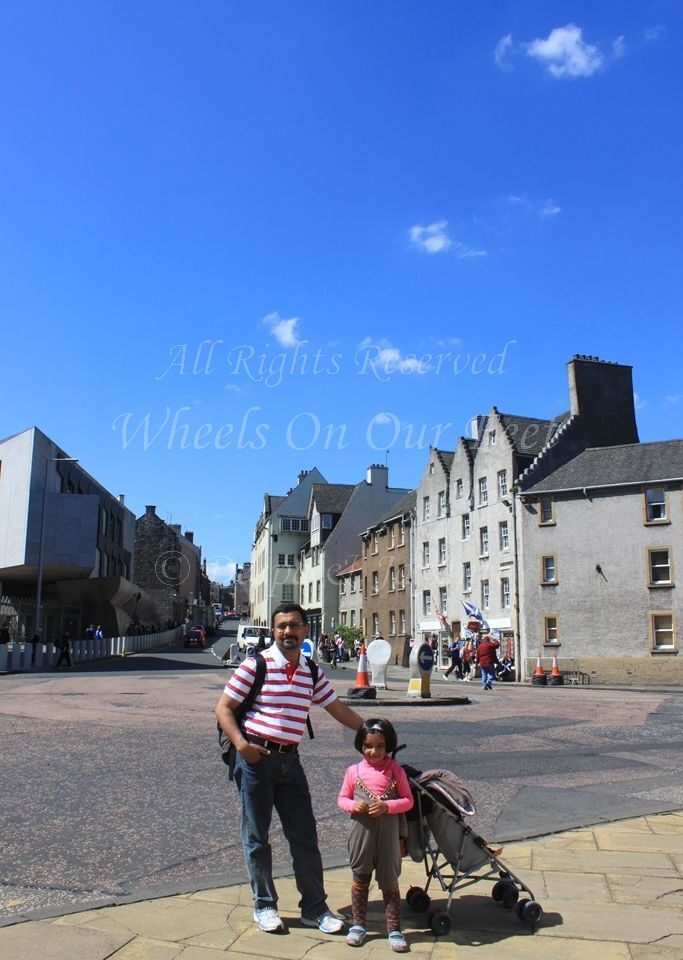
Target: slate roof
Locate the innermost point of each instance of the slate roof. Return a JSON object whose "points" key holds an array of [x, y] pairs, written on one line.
{"points": [[404, 505], [524, 438], [629, 463], [331, 497], [445, 458], [273, 501]]}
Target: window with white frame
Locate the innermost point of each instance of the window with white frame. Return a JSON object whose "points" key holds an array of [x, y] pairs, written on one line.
{"points": [[392, 536], [310, 592], [375, 581], [315, 522], [502, 484], [327, 521], [317, 590], [505, 593], [401, 576], [467, 577], [662, 635], [375, 542], [465, 522], [442, 552], [280, 559], [551, 629], [290, 559], [392, 578], [401, 621], [485, 597], [342, 586], [375, 624], [458, 488], [352, 618], [503, 536], [287, 591], [401, 535], [303, 595], [484, 541], [655, 505], [392, 623], [425, 554], [353, 583], [483, 491], [443, 599], [546, 511], [425, 508], [441, 504], [548, 569], [342, 615], [659, 564], [426, 602]]}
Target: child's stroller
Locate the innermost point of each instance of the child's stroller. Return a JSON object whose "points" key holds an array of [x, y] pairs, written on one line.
{"points": [[453, 853]]}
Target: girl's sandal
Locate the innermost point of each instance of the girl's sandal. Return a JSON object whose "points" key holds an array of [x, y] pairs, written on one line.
{"points": [[398, 942], [356, 935]]}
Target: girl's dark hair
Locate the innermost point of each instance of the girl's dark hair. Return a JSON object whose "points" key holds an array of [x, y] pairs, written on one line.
{"points": [[376, 726]]}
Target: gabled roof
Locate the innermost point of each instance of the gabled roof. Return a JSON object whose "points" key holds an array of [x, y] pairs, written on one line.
{"points": [[445, 458], [405, 505], [630, 463], [528, 435], [272, 501], [331, 497], [351, 568]]}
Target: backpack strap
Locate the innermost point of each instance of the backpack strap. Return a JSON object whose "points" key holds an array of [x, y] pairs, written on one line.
{"points": [[313, 667], [228, 749]]}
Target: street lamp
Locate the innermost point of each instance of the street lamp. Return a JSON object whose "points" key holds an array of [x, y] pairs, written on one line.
{"points": [[39, 585]]}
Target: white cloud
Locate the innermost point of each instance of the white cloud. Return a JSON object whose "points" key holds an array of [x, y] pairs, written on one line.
{"points": [[619, 48], [502, 51], [655, 33], [390, 360], [549, 209], [432, 238], [284, 330], [673, 398], [638, 403], [517, 200], [565, 53], [220, 572]]}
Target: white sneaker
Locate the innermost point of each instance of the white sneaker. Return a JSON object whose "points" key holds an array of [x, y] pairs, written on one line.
{"points": [[326, 922], [268, 920]]}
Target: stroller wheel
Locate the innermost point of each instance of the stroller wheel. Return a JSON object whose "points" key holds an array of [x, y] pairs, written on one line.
{"points": [[530, 911], [418, 900], [498, 891], [440, 923], [510, 897]]}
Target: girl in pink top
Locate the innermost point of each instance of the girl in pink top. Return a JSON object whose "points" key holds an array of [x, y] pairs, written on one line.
{"points": [[375, 791]]}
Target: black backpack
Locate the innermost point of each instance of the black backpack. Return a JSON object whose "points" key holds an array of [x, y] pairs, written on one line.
{"points": [[227, 747]]}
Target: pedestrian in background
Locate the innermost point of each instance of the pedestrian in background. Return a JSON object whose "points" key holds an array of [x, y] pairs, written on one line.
{"points": [[486, 658], [65, 652]]}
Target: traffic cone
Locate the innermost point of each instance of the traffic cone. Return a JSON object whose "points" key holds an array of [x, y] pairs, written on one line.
{"points": [[555, 678], [539, 678], [362, 689]]}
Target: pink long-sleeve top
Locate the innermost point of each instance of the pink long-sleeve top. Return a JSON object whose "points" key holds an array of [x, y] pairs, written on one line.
{"points": [[376, 777]]}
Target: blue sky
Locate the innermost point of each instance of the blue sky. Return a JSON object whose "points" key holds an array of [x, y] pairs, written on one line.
{"points": [[244, 239]]}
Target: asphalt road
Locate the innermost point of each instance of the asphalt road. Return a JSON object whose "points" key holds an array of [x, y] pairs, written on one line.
{"points": [[114, 790]]}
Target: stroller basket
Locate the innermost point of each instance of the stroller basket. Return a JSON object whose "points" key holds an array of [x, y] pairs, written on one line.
{"points": [[455, 856]]}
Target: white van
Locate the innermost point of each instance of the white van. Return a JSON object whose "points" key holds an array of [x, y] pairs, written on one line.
{"points": [[249, 635]]}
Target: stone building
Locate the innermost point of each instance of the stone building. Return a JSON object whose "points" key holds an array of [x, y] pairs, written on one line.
{"points": [[351, 595], [158, 568]]}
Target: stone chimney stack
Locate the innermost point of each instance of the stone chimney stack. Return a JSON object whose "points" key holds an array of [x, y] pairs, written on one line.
{"points": [[150, 511], [122, 499], [601, 394], [189, 535], [477, 426], [377, 476]]}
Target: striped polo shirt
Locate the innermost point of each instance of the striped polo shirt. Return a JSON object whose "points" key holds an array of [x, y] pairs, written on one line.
{"points": [[281, 707]]}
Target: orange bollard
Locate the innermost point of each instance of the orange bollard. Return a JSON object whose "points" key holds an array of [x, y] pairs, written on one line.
{"points": [[539, 678], [362, 671], [555, 678]]}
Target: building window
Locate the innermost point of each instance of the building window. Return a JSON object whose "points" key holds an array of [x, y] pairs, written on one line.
{"points": [[485, 598], [467, 577], [392, 578], [392, 536], [548, 570], [375, 624], [317, 590], [310, 592], [290, 559], [502, 484], [465, 526], [401, 577], [375, 581], [280, 559], [425, 509], [504, 536], [431, 469], [343, 617], [392, 623], [443, 599], [303, 595], [327, 521], [401, 621], [655, 505], [505, 593], [426, 602], [401, 535], [375, 542], [492, 438], [659, 565], [342, 586], [484, 541], [315, 522], [441, 504], [662, 636], [442, 552], [483, 492], [458, 488], [425, 554], [551, 629], [352, 618], [353, 583], [287, 592], [546, 511]]}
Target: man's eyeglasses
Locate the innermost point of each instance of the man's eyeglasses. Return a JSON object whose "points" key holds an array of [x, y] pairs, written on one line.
{"points": [[294, 625]]}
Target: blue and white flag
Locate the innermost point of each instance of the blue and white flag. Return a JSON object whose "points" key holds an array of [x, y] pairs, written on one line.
{"points": [[473, 611]]}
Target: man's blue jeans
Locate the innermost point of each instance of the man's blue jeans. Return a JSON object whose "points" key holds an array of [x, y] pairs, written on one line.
{"points": [[278, 782], [488, 675]]}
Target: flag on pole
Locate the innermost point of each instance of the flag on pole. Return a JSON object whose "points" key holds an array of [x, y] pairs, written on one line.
{"points": [[473, 611], [442, 620]]}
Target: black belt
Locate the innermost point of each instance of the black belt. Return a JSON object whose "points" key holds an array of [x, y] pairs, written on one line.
{"points": [[274, 745]]}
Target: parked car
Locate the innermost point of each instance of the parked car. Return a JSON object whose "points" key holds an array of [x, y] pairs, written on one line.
{"points": [[250, 635], [231, 615], [195, 637]]}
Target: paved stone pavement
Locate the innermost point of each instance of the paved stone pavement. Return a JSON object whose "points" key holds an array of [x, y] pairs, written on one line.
{"points": [[610, 892]]}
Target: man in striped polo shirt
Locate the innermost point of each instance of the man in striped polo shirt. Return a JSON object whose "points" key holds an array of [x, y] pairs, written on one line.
{"points": [[269, 774]]}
